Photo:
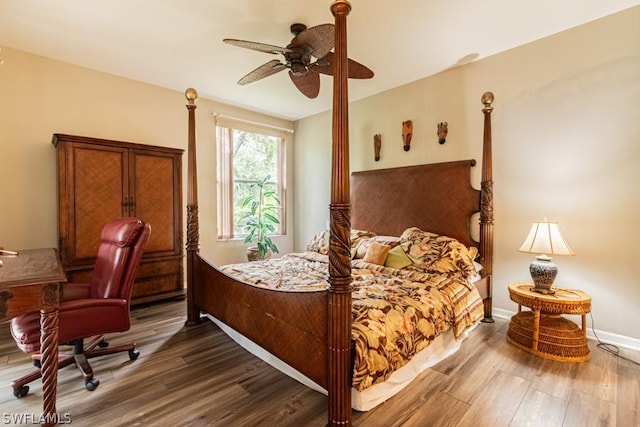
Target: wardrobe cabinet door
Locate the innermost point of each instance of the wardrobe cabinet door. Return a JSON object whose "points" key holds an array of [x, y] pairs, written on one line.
{"points": [[155, 179], [96, 192]]}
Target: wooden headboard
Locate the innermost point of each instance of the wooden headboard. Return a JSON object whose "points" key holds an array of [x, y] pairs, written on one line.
{"points": [[436, 197]]}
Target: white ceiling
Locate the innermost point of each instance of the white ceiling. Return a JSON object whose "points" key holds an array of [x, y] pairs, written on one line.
{"points": [[178, 44]]}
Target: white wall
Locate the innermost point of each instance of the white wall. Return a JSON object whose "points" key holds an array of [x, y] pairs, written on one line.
{"points": [[40, 97], [566, 145]]}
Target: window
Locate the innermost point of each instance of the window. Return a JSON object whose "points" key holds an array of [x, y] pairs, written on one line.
{"points": [[247, 153]]}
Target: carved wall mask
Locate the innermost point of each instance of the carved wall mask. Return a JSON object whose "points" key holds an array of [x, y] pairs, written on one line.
{"points": [[377, 144], [407, 133], [443, 130]]}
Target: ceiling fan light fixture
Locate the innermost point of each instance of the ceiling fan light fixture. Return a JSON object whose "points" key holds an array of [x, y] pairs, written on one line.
{"points": [[298, 69]]}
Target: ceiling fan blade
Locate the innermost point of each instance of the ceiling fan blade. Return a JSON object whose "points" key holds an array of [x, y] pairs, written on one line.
{"points": [[308, 84], [260, 47], [320, 38], [262, 71], [355, 69]]}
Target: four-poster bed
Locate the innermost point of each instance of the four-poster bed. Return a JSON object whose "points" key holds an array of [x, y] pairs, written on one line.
{"points": [[311, 331]]}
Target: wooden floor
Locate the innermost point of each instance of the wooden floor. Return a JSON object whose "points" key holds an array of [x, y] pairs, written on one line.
{"points": [[197, 376]]}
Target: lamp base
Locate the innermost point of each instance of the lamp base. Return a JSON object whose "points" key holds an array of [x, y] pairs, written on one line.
{"points": [[543, 290], [543, 273]]}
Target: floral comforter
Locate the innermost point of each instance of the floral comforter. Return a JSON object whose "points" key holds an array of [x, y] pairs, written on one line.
{"points": [[396, 312]]}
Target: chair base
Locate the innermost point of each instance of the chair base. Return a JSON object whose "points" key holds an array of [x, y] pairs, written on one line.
{"points": [[81, 353]]}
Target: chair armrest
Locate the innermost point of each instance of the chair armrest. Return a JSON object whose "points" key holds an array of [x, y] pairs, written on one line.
{"points": [[95, 304], [92, 316], [74, 291]]}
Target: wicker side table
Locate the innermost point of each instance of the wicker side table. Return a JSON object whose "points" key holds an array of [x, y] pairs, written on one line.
{"points": [[543, 331]]}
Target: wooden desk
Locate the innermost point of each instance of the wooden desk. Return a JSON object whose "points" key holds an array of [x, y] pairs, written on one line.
{"points": [[543, 331], [29, 281]]}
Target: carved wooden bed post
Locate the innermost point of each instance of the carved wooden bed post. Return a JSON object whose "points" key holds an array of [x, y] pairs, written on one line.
{"points": [[486, 204], [193, 313], [339, 307], [326, 316]]}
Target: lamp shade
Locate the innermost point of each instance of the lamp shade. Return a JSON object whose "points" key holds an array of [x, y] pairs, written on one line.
{"points": [[546, 238]]}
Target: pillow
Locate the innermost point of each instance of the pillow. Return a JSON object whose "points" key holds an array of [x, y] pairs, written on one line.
{"points": [[376, 253], [363, 245], [359, 235], [433, 253], [391, 241], [478, 266], [396, 258], [360, 249], [319, 243]]}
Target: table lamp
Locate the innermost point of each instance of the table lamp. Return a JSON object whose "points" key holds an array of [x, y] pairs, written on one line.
{"points": [[545, 238]]}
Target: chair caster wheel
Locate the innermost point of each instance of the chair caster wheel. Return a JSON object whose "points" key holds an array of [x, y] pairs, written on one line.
{"points": [[21, 391], [103, 344], [37, 363], [133, 354], [91, 384]]}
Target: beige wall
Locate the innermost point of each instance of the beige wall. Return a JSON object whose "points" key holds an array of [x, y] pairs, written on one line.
{"points": [[566, 145], [40, 97]]}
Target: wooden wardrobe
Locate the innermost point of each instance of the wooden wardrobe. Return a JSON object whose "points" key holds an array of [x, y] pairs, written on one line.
{"points": [[99, 180]]}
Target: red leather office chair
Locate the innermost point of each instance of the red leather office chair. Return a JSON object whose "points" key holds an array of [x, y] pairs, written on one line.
{"points": [[91, 309]]}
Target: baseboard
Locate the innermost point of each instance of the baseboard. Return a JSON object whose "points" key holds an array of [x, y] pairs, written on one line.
{"points": [[604, 336]]}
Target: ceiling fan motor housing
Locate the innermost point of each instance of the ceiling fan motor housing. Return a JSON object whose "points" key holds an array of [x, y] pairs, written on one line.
{"points": [[298, 59]]}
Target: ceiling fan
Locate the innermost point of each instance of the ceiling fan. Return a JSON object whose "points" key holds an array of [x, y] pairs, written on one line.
{"points": [[307, 43]]}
